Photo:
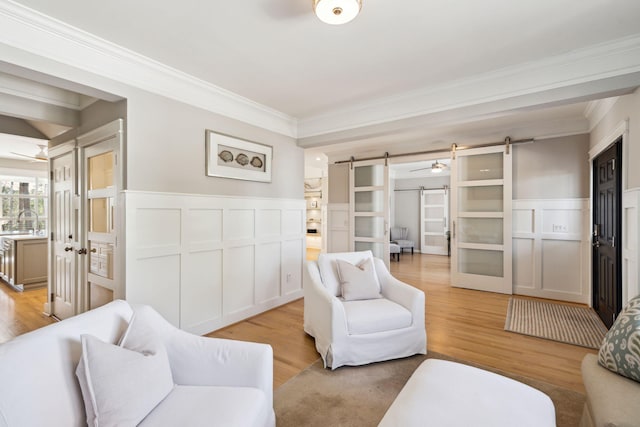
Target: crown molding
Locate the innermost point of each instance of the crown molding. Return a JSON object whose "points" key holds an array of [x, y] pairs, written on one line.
{"points": [[616, 60], [28, 30], [597, 109]]}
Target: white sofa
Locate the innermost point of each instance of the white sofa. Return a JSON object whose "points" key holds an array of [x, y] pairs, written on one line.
{"points": [[365, 331], [38, 384]]}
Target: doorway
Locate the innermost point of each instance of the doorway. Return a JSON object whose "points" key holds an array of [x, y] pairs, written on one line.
{"points": [[607, 232], [85, 259]]}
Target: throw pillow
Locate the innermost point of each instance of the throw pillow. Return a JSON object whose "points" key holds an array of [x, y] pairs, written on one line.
{"points": [[121, 384], [620, 350], [358, 281]]}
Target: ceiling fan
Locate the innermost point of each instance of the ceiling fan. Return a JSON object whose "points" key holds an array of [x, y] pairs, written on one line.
{"points": [[436, 167], [41, 156]]}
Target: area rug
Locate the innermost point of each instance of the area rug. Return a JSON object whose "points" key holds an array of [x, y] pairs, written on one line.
{"points": [[359, 396], [558, 322]]}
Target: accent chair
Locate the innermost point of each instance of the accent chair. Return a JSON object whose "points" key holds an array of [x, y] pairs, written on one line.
{"points": [[358, 313]]}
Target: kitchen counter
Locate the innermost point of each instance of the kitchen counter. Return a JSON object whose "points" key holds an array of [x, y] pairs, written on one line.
{"points": [[23, 237]]}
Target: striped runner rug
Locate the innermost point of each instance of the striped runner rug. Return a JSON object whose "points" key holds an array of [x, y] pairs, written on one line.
{"points": [[553, 321]]}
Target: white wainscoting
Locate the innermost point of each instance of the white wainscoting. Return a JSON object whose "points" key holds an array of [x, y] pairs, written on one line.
{"points": [[338, 227], [630, 240], [551, 249], [205, 262]]}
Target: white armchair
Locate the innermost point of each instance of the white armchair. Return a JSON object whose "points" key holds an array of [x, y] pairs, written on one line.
{"points": [[358, 332]]}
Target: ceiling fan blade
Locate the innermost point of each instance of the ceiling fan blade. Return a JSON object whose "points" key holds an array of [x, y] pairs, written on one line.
{"points": [[32, 158]]}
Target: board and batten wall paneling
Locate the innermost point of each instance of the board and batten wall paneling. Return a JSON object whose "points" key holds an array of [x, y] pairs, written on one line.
{"points": [[630, 241], [205, 262], [551, 250], [338, 227]]}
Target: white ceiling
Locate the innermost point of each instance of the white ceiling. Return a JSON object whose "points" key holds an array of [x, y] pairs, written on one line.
{"points": [[277, 53], [405, 74]]}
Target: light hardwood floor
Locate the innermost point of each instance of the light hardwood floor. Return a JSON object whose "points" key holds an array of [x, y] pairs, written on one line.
{"points": [[460, 323], [21, 312]]}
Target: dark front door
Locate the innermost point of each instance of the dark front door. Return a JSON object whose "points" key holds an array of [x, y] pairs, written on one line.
{"points": [[607, 229]]}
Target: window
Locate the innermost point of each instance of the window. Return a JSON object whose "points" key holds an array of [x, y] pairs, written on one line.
{"points": [[24, 203]]}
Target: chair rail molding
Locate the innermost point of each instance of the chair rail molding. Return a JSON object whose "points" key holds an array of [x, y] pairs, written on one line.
{"points": [[205, 262]]}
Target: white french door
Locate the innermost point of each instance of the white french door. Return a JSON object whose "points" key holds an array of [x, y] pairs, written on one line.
{"points": [[434, 221], [85, 264], [64, 234], [481, 220], [369, 208], [100, 198]]}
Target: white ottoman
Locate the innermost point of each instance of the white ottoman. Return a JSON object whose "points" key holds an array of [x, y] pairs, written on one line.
{"points": [[394, 249], [449, 394]]}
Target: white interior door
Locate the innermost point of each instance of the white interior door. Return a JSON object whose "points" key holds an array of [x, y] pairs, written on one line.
{"points": [[434, 221], [369, 208], [481, 220], [64, 235], [100, 199]]}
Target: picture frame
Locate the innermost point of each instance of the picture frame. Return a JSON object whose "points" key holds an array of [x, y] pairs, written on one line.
{"points": [[231, 157]]}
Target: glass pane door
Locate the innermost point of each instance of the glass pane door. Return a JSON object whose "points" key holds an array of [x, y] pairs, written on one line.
{"points": [[369, 208], [101, 202], [434, 221], [481, 220]]}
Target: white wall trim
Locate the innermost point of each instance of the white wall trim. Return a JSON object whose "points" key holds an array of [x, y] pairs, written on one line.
{"points": [[31, 31], [205, 262], [564, 277], [622, 129], [616, 58], [630, 244]]}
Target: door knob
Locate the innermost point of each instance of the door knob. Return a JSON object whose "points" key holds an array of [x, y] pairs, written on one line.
{"points": [[68, 249], [596, 244], [82, 251], [94, 250]]}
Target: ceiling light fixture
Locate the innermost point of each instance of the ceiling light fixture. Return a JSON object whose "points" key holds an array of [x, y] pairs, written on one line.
{"points": [[336, 12], [437, 167]]}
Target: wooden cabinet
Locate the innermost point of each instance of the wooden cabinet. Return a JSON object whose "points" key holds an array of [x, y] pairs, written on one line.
{"points": [[25, 261]]}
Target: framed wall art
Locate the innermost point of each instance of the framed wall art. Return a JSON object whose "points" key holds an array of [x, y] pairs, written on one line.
{"points": [[231, 157]]}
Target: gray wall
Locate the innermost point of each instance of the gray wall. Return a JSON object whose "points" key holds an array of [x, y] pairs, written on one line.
{"points": [[165, 148], [552, 168], [627, 107], [338, 183], [166, 151]]}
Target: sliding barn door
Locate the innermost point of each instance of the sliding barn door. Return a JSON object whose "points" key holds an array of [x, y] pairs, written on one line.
{"points": [[481, 220], [369, 208], [434, 221]]}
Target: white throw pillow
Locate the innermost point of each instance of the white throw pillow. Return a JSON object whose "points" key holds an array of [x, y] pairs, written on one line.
{"points": [[358, 281], [122, 384]]}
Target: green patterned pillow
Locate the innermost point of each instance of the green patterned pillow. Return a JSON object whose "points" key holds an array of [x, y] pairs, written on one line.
{"points": [[620, 350]]}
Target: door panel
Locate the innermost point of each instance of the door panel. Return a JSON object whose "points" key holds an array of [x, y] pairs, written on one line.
{"points": [[434, 221], [369, 208], [100, 197], [481, 220], [64, 217], [607, 280]]}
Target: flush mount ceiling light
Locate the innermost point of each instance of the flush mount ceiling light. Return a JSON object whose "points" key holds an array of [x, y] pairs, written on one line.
{"points": [[336, 12]]}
